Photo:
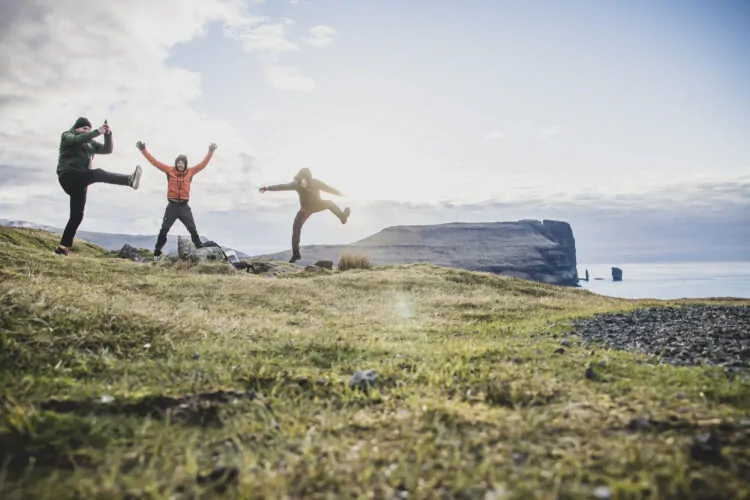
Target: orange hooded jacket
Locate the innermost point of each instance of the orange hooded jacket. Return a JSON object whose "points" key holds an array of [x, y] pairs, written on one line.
{"points": [[179, 182]]}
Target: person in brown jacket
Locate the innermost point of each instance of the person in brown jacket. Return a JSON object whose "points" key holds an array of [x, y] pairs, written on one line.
{"points": [[308, 189], [179, 179]]}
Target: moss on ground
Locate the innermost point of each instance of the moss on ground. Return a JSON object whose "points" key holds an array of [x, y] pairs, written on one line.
{"points": [[157, 381]]}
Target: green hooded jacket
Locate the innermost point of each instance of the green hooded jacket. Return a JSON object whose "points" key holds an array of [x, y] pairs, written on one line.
{"points": [[77, 150]]}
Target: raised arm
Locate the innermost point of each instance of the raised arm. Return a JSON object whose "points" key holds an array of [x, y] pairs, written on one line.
{"points": [[211, 148], [161, 166], [106, 148], [70, 137], [328, 189], [281, 187]]}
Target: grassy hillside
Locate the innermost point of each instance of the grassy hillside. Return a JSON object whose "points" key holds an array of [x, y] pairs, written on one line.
{"points": [[125, 380]]}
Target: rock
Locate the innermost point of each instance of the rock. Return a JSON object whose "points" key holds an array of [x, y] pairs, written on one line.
{"points": [[707, 448], [325, 264], [559, 350], [616, 274], [692, 335], [541, 251], [185, 247], [638, 424], [129, 252], [590, 375], [317, 270], [565, 343], [603, 493], [187, 251], [260, 267], [363, 379]]}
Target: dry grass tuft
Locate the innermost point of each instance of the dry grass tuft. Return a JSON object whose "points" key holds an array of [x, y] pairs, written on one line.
{"points": [[353, 261]]}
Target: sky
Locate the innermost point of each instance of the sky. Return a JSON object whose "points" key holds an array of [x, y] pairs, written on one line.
{"points": [[628, 119]]}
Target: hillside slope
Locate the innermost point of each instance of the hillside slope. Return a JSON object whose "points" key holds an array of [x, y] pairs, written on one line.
{"points": [[537, 250], [113, 241], [127, 380]]}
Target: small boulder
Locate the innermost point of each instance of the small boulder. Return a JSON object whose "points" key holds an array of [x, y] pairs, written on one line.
{"points": [[187, 251], [325, 264], [130, 252], [261, 267], [363, 379]]}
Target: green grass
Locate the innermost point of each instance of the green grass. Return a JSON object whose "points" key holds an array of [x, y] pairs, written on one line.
{"points": [[194, 381]]}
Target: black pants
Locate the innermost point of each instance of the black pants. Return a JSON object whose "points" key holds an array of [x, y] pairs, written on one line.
{"points": [[75, 183], [304, 213], [174, 211]]}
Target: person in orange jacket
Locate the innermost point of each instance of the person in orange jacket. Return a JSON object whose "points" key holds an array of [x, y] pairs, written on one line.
{"points": [[308, 189], [178, 194]]}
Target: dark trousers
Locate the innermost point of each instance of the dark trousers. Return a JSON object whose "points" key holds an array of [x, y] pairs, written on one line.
{"points": [[304, 213], [174, 211], [75, 183]]}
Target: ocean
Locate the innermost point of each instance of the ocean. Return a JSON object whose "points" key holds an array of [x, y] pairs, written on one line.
{"points": [[670, 280]]}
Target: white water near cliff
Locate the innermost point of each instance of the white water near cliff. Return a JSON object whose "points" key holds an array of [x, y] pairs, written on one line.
{"points": [[670, 280]]}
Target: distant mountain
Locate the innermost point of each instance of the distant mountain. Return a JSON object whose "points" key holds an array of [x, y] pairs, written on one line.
{"points": [[541, 251], [113, 241]]}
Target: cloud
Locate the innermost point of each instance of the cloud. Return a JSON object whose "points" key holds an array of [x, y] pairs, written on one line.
{"points": [[321, 36], [288, 78], [267, 41], [554, 131], [266, 115], [18, 177], [61, 60], [490, 136], [264, 40]]}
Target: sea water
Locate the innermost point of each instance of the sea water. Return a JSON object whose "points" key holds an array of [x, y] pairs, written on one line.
{"points": [[670, 280]]}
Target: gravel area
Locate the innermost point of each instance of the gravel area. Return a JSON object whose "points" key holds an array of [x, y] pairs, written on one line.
{"points": [[689, 335]]}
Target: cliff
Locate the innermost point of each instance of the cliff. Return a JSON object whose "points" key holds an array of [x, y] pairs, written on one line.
{"points": [[540, 251]]}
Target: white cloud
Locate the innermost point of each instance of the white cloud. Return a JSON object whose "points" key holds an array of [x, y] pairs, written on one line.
{"points": [[288, 78], [61, 60], [490, 136], [321, 36], [267, 115], [266, 41], [555, 131]]}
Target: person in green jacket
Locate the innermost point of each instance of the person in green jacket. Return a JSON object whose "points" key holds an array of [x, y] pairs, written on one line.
{"points": [[74, 172], [308, 189]]}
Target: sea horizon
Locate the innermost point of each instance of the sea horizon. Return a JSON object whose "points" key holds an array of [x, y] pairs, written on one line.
{"points": [[670, 280]]}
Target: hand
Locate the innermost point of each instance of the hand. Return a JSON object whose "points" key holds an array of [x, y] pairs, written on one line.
{"points": [[212, 146], [103, 129], [109, 129], [140, 145], [263, 189]]}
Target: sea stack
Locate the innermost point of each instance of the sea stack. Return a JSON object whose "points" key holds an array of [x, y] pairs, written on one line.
{"points": [[616, 274]]}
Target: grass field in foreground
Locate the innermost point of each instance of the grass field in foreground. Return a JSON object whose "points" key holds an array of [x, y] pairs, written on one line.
{"points": [[118, 378]]}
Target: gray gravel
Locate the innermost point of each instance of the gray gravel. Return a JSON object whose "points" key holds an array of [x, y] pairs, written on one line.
{"points": [[692, 335]]}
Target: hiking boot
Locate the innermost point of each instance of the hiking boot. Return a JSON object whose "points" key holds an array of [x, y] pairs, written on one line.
{"points": [[61, 250], [346, 215], [135, 177], [295, 258], [156, 258]]}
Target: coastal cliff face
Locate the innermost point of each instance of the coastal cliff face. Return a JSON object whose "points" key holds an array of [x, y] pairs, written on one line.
{"points": [[536, 250]]}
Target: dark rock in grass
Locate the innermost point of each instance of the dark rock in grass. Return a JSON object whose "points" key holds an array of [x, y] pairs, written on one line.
{"points": [[363, 379], [707, 448]]}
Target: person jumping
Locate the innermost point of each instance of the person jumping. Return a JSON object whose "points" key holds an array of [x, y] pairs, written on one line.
{"points": [[178, 194], [75, 175], [308, 189]]}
